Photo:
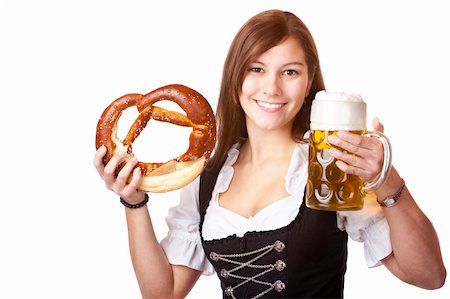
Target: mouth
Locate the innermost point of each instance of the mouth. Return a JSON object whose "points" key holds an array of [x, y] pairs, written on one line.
{"points": [[266, 106]]}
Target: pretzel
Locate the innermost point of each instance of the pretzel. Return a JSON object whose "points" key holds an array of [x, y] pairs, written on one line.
{"points": [[177, 172]]}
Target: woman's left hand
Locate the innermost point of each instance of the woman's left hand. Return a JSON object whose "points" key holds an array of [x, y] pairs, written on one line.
{"points": [[359, 155]]}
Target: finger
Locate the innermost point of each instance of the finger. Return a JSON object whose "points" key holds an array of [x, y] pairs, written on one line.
{"points": [[353, 143], [98, 159], [349, 159], [133, 185], [362, 173], [367, 169], [109, 173], [377, 125], [125, 172]]}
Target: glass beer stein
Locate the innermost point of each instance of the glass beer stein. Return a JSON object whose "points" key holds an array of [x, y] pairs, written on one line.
{"points": [[328, 187]]}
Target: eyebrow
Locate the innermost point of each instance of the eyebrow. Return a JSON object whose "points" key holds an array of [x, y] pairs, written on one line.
{"points": [[286, 64]]}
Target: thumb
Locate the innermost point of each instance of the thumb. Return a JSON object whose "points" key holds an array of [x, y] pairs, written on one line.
{"points": [[377, 125]]}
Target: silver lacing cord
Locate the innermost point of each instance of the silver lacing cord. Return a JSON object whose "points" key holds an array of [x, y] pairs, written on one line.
{"points": [[278, 265]]}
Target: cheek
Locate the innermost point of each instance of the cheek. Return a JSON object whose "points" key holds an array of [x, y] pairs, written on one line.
{"points": [[248, 86], [298, 106], [299, 95]]}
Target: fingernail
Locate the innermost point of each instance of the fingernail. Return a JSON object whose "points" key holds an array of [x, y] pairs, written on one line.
{"points": [[331, 138]]}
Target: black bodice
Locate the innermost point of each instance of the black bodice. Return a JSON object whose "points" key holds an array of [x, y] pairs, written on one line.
{"points": [[305, 259]]}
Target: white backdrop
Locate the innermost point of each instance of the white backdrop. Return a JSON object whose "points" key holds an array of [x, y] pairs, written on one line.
{"points": [[63, 235]]}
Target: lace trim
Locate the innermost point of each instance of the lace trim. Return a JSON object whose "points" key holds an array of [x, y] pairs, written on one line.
{"points": [[251, 234]]}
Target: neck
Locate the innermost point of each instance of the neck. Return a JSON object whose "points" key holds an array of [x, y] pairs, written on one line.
{"points": [[266, 146]]}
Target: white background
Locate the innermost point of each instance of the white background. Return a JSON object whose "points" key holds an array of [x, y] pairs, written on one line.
{"points": [[63, 235]]}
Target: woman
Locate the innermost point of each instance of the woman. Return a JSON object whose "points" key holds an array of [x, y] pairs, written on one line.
{"points": [[245, 217]]}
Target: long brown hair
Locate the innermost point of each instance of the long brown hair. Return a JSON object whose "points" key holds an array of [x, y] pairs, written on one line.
{"points": [[260, 33]]}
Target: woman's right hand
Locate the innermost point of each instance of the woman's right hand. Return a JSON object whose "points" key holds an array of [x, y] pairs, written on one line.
{"points": [[118, 184]]}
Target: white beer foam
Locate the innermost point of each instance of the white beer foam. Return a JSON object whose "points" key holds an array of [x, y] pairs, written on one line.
{"points": [[338, 111], [338, 96]]}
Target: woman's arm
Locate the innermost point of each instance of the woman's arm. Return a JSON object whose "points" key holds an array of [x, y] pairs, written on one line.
{"points": [[157, 278], [416, 257]]}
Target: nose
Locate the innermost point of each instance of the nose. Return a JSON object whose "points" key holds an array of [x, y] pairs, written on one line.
{"points": [[271, 85]]}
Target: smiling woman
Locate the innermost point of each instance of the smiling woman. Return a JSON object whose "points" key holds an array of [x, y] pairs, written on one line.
{"points": [[275, 87], [66, 235], [224, 223]]}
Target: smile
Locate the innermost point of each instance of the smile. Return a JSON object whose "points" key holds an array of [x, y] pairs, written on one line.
{"points": [[269, 106]]}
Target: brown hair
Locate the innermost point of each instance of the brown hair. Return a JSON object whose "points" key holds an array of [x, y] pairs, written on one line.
{"points": [[260, 33]]}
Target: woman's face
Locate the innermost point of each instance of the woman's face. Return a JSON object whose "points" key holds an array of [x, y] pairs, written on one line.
{"points": [[275, 86]]}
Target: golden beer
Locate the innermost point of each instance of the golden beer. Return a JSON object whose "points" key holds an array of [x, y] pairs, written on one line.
{"points": [[328, 187]]}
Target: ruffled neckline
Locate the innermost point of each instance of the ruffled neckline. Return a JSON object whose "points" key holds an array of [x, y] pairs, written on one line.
{"points": [[297, 171]]}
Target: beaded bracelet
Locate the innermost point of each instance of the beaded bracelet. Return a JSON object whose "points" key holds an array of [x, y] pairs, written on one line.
{"points": [[135, 206]]}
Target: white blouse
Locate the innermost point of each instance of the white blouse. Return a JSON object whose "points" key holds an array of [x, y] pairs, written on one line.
{"points": [[182, 244]]}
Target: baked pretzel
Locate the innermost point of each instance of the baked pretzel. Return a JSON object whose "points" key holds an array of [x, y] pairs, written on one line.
{"points": [[177, 172]]}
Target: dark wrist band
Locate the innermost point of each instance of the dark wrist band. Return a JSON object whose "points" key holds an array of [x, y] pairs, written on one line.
{"points": [[135, 206]]}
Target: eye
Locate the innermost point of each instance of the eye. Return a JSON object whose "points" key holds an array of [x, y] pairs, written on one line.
{"points": [[256, 70], [290, 72]]}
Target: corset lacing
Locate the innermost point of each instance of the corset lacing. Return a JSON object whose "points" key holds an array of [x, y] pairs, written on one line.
{"points": [[229, 258]]}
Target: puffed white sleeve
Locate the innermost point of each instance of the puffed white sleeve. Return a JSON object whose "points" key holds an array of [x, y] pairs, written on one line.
{"points": [[370, 227], [182, 244]]}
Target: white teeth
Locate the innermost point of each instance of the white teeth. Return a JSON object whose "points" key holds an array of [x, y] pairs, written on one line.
{"points": [[269, 105]]}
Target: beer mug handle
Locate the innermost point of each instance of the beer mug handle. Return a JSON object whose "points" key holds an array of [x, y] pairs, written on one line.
{"points": [[379, 180]]}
